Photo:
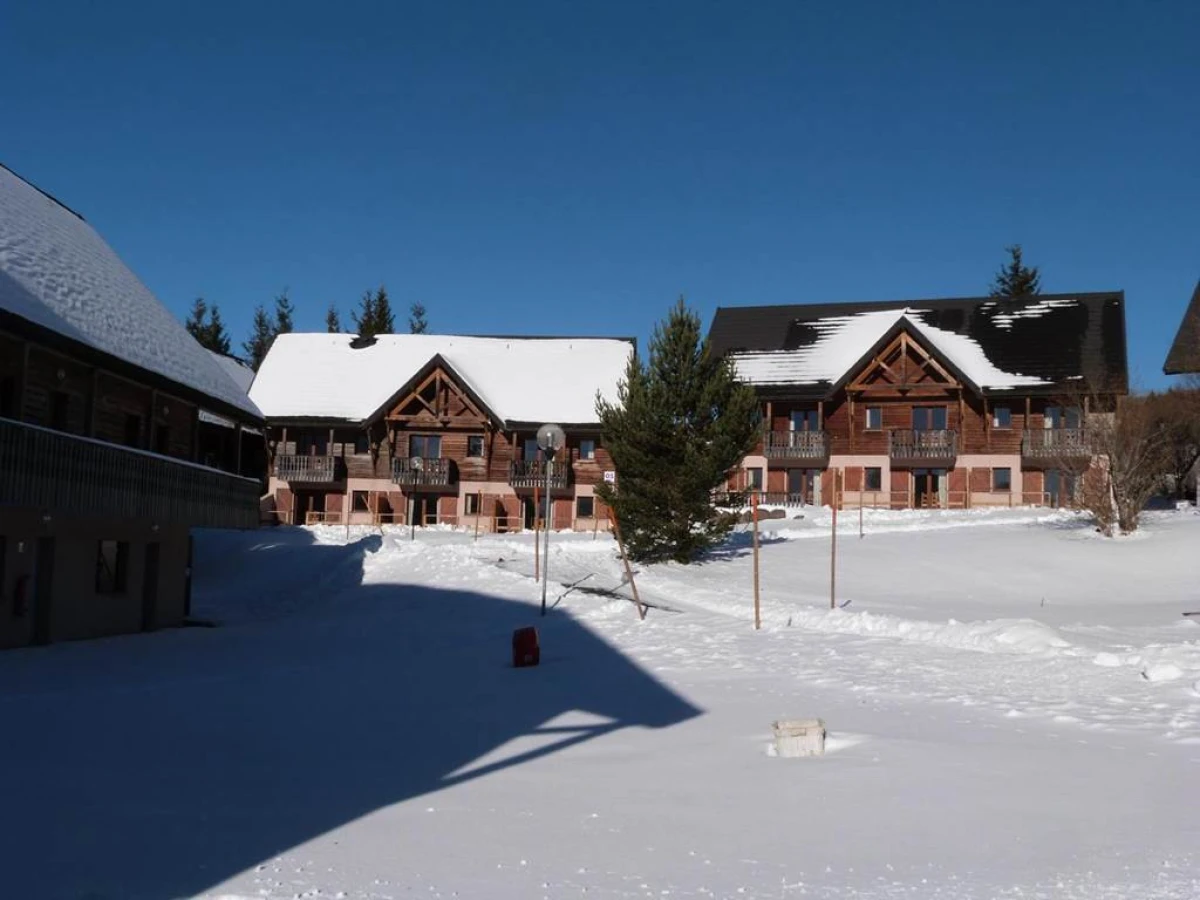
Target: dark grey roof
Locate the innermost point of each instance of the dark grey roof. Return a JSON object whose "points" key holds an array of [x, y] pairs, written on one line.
{"points": [[1185, 351], [1056, 337]]}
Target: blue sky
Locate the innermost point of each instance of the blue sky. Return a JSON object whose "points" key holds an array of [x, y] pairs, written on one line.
{"points": [[571, 168]]}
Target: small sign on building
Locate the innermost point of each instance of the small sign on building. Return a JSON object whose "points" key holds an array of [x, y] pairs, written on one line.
{"points": [[610, 477]]}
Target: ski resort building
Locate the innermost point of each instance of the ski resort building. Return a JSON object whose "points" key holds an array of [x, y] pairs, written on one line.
{"points": [[435, 429], [937, 403], [102, 399]]}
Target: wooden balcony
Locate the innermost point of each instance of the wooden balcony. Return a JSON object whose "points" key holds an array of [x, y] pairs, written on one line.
{"points": [[432, 471], [530, 473], [795, 445], [62, 473], [908, 445], [310, 469], [1052, 444]]}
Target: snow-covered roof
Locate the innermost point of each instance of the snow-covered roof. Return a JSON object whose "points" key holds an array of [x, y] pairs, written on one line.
{"points": [[518, 379], [843, 341], [242, 374], [57, 272]]}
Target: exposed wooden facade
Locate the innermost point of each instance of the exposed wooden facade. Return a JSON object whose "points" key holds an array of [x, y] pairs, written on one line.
{"points": [[435, 453], [904, 430]]}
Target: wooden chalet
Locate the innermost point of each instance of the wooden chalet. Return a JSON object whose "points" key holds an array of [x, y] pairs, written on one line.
{"points": [[103, 396], [435, 429], [938, 403]]}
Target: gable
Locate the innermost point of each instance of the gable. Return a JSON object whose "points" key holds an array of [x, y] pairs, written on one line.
{"points": [[903, 367], [1184, 356], [437, 398]]}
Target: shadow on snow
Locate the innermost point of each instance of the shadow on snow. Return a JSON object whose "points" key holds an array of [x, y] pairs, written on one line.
{"points": [[160, 766]]}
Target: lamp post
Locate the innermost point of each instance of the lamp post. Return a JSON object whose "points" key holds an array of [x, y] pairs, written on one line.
{"points": [[551, 439], [415, 465]]}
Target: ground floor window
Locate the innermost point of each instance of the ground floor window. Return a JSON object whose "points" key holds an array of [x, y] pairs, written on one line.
{"points": [[360, 501], [112, 566], [585, 507], [471, 504], [873, 478], [754, 479], [1002, 480]]}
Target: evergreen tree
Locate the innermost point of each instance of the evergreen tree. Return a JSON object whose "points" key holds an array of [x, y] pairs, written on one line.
{"points": [[364, 319], [205, 325], [682, 422], [374, 314], [333, 322], [283, 313], [416, 319], [262, 333], [385, 322], [1016, 279]]}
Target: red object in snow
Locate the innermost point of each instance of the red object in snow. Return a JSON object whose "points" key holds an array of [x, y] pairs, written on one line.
{"points": [[526, 651]]}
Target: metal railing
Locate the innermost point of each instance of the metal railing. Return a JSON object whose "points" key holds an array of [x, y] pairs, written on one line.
{"points": [[1049, 443], [65, 473], [528, 473], [910, 443], [432, 471], [795, 445], [313, 469]]}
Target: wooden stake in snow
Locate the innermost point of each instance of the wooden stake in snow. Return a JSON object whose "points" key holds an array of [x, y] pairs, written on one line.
{"points": [[641, 608], [833, 547], [860, 515], [754, 516]]}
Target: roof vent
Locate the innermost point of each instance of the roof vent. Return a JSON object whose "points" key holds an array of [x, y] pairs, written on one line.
{"points": [[362, 341]]}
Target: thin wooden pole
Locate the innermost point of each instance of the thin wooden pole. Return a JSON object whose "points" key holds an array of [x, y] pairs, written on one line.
{"points": [[478, 513], [628, 569], [757, 607], [860, 515], [537, 571], [833, 547]]}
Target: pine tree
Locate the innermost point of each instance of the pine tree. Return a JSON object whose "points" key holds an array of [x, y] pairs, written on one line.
{"points": [[283, 313], [682, 422], [205, 325], [385, 322], [364, 319], [262, 333], [416, 319], [1016, 279], [333, 322]]}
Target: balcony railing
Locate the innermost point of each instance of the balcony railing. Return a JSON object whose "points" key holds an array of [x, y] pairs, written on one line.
{"points": [[922, 445], [314, 469], [1055, 443], [795, 445], [431, 471], [69, 474], [528, 473]]}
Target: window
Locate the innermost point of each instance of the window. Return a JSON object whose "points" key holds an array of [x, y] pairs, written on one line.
{"points": [[874, 418], [1001, 417], [472, 503], [754, 479], [872, 478], [60, 404], [532, 451], [112, 566], [427, 446], [929, 418], [8, 397], [362, 444], [133, 430], [360, 501], [162, 439], [475, 446], [585, 507], [1060, 417], [1002, 480], [587, 449], [804, 420]]}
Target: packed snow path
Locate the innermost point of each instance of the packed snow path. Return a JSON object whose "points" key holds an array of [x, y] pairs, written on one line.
{"points": [[1013, 709]]}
